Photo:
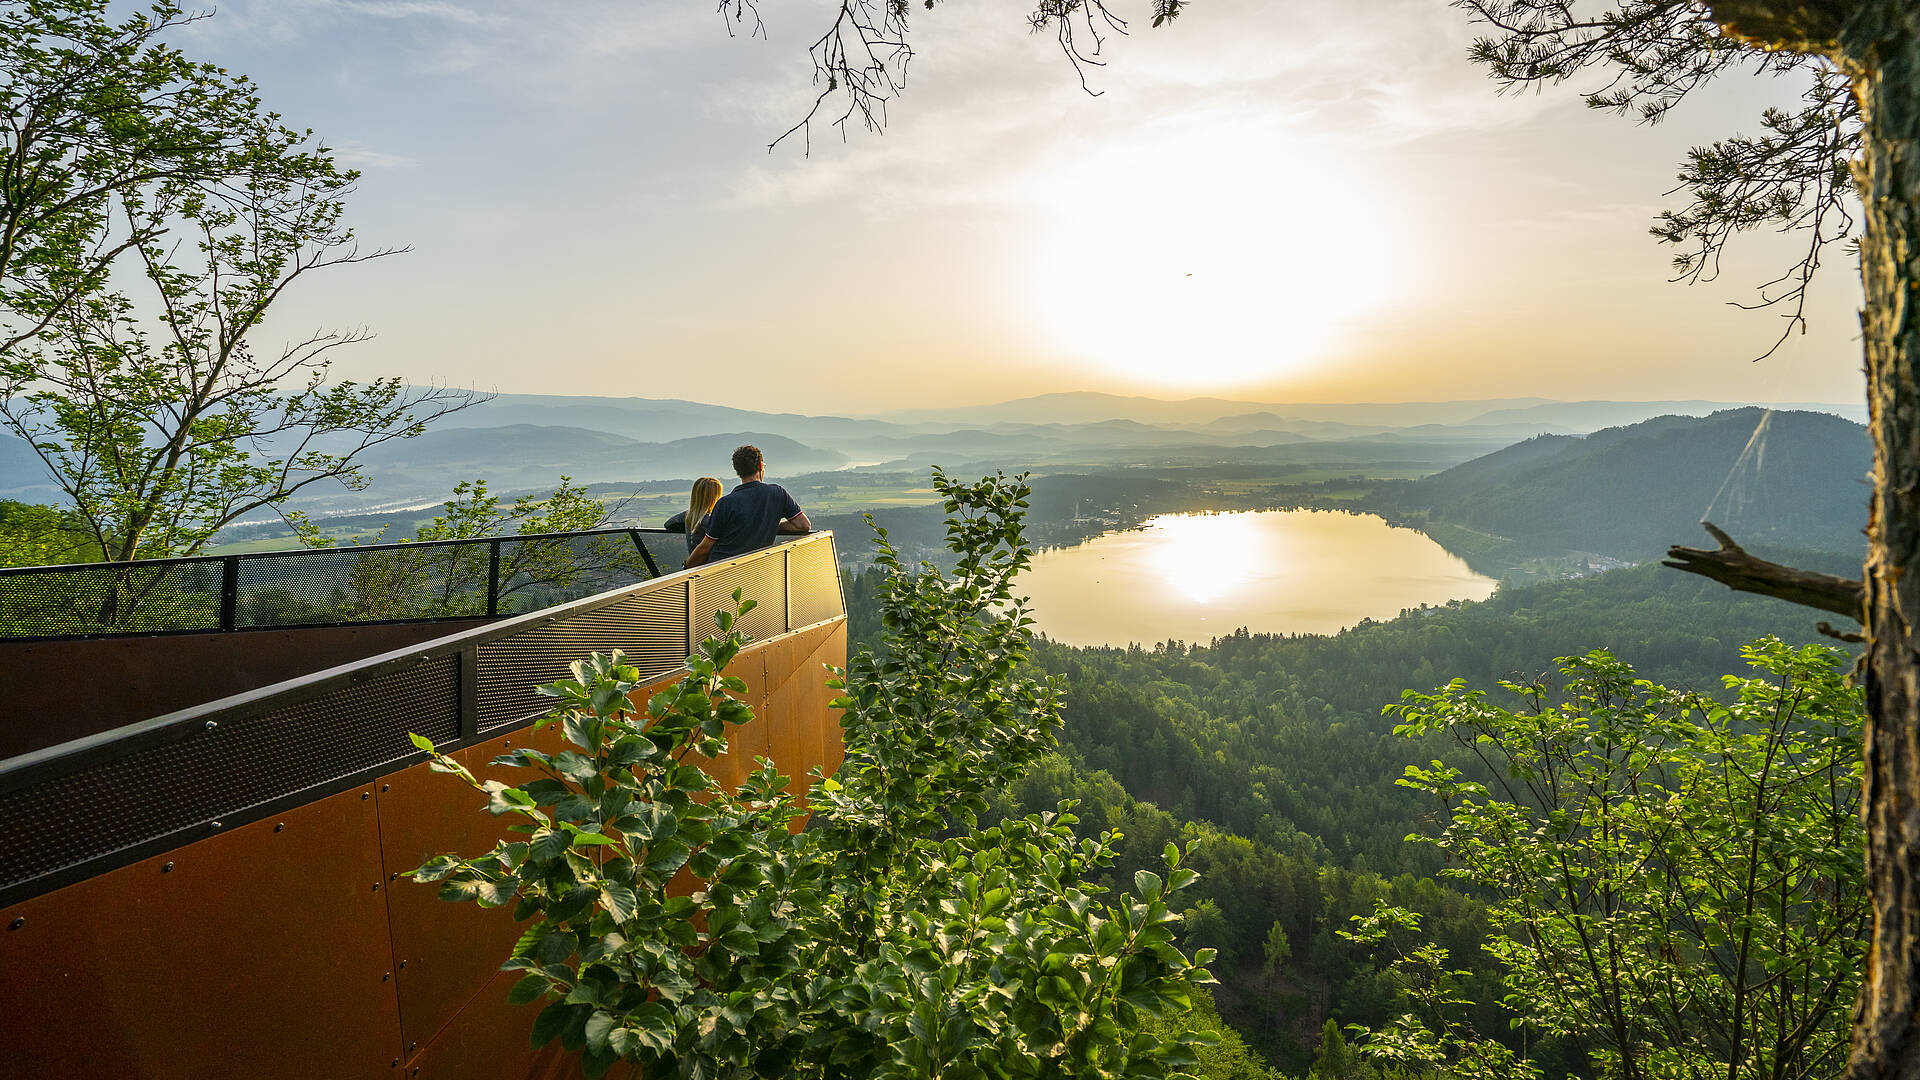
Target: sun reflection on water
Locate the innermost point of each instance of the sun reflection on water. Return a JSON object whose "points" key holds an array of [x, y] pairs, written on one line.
{"points": [[1208, 556], [1192, 577]]}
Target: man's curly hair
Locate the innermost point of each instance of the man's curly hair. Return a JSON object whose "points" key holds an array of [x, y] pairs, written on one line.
{"points": [[747, 461]]}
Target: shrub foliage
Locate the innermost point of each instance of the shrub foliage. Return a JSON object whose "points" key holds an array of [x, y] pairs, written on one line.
{"points": [[1679, 881], [697, 931]]}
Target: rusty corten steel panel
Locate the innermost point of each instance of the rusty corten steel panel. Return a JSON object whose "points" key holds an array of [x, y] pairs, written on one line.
{"points": [[803, 733], [492, 1040], [745, 741], [487, 1039], [832, 749], [83, 687], [262, 952], [787, 687], [445, 951]]}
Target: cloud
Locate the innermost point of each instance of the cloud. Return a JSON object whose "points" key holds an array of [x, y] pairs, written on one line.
{"points": [[289, 20], [417, 9], [991, 112], [555, 52], [356, 156], [1619, 215]]}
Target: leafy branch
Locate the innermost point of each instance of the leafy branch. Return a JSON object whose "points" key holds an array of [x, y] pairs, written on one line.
{"points": [[1650, 55]]}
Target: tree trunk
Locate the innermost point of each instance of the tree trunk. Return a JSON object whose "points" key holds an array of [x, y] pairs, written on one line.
{"points": [[1880, 48]]}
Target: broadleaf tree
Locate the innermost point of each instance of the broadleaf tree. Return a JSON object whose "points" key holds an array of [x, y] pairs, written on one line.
{"points": [[94, 109], [1676, 880], [440, 579], [155, 210], [895, 936], [33, 535], [1856, 136]]}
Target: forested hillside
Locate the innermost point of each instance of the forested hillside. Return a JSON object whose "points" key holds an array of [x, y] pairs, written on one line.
{"points": [[1272, 753], [1779, 480]]}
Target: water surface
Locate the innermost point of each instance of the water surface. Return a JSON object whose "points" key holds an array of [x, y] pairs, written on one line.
{"points": [[1193, 577]]}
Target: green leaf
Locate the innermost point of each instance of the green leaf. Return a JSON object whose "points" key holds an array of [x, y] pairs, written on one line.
{"points": [[531, 938], [576, 767], [595, 1063], [547, 845], [598, 1027], [577, 727], [652, 1023], [505, 799], [620, 901], [1147, 884], [436, 868], [606, 700], [527, 989], [493, 894], [550, 1023]]}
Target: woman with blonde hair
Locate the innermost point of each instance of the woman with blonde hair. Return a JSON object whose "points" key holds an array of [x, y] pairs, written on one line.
{"points": [[693, 520]]}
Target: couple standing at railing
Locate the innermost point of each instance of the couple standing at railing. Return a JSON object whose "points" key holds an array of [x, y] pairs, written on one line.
{"points": [[744, 519]]}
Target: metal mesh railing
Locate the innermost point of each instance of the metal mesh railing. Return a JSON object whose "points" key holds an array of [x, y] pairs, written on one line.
{"points": [[107, 800], [500, 575], [64, 601]]}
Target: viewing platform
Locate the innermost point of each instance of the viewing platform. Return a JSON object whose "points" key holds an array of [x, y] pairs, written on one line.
{"points": [[204, 822]]}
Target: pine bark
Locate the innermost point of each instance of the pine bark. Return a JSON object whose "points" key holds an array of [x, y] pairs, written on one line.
{"points": [[1880, 49]]}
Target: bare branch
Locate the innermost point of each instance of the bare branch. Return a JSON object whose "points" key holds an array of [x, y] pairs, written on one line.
{"points": [[861, 60], [1730, 565]]}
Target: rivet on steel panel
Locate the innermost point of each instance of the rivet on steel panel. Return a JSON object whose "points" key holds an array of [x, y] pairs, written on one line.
{"points": [[376, 886], [213, 824], [365, 795], [279, 826], [396, 1063], [403, 964], [17, 923], [167, 869], [385, 976], [384, 787], [211, 724]]}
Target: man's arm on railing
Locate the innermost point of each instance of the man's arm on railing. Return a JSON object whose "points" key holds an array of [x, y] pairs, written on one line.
{"points": [[797, 525], [700, 553]]}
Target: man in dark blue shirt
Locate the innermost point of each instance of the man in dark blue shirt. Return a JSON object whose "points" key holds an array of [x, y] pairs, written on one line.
{"points": [[751, 515]]}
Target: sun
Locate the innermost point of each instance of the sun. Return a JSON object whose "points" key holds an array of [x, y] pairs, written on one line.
{"points": [[1208, 261]]}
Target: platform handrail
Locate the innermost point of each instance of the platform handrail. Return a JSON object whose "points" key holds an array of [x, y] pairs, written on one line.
{"points": [[210, 607], [487, 673]]}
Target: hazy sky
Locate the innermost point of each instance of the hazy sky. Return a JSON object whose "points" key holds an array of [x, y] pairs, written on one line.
{"points": [[1271, 199]]}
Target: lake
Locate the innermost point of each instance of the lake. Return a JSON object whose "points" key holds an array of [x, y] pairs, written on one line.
{"points": [[1193, 577]]}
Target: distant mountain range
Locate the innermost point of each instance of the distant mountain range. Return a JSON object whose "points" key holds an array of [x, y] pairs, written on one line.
{"points": [[1575, 416], [1091, 407], [528, 456], [526, 441]]}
